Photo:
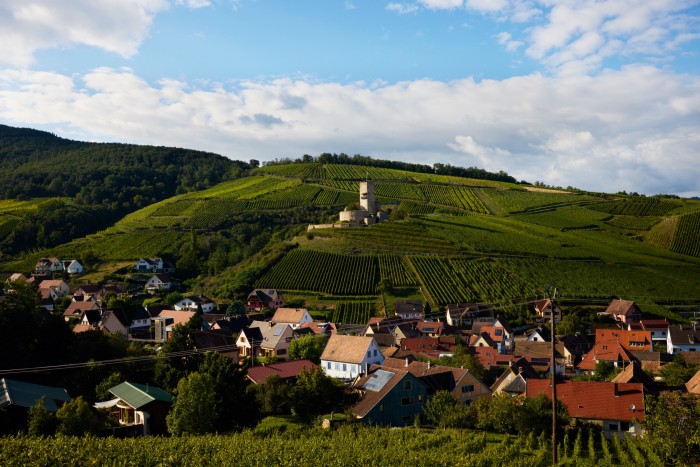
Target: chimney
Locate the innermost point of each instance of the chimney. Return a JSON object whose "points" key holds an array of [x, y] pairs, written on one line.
{"points": [[615, 393], [406, 361]]}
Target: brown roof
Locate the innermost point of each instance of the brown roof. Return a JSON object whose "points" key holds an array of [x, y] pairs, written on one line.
{"points": [[349, 349], [82, 328], [693, 384], [620, 307], [634, 374], [288, 315], [290, 369], [593, 400], [78, 308], [420, 369], [179, 317], [371, 398]]}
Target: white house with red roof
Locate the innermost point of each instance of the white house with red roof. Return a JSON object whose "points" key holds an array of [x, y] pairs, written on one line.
{"points": [[346, 357], [159, 283], [294, 317]]}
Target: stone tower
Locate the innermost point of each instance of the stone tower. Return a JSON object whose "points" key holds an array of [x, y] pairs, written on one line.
{"points": [[367, 196]]}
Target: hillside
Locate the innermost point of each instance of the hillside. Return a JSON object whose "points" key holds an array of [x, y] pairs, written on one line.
{"points": [[450, 239], [99, 182]]}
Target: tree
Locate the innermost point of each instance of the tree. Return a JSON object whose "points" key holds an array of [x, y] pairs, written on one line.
{"points": [[75, 418], [272, 396], [194, 410], [236, 309], [445, 411], [102, 389], [309, 347], [315, 393], [672, 424], [40, 421], [679, 371], [235, 407]]}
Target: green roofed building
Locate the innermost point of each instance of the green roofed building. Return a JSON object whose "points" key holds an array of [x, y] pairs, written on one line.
{"points": [[16, 397], [140, 404]]}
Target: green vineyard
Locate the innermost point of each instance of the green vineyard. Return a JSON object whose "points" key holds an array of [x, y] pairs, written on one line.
{"points": [[353, 312], [323, 272], [637, 207], [687, 238], [394, 270]]}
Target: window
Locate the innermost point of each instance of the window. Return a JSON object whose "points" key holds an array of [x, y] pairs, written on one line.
{"points": [[345, 367], [468, 388], [420, 398], [624, 426], [337, 366], [369, 354], [406, 400], [329, 365], [407, 385], [375, 352], [612, 427], [281, 351]]}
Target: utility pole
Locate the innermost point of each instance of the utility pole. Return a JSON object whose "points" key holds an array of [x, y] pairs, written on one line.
{"points": [[552, 294]]}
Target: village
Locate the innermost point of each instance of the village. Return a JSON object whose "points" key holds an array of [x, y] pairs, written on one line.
{"points": [[392, 365]]}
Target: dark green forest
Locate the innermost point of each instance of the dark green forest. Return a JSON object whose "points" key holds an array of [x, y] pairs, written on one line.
{"points": [[105, 181]]}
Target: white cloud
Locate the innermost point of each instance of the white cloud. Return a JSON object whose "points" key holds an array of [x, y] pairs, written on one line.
{"points": [[442, 4], [634, 129], [118, 26], [402, 8], [194, 3]]}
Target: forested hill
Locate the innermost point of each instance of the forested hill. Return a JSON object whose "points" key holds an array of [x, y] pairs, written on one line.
{"points": [[38, 164], [93, 184]]}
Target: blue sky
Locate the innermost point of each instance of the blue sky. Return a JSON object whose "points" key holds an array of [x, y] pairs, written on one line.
{"points": [[601, 95]]}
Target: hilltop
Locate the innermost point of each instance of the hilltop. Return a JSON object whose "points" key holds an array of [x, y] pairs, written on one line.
{"points": [[90, 185], [449, 239]]}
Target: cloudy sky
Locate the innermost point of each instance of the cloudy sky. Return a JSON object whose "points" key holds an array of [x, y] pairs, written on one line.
{"points": [[600, 95]]}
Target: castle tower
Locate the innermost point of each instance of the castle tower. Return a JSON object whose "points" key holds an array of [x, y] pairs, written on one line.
{"points": [[367, 196]]}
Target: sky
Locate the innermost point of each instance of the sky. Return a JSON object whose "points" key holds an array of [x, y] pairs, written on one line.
{"points": [[599, 95]]}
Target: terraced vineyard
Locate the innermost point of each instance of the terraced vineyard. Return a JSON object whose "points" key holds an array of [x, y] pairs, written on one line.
{"points": [[638, 207], [687, 239], [353, 312], [518, 201], [393, 269], [633, 222], [303, 270]]}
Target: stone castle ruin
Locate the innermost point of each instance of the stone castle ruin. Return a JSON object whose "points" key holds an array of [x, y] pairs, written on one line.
{"points": [[368, 213]]}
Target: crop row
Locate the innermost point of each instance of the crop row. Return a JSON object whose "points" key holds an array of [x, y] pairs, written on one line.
{"points": [[175, 208], [393, 269], [514, 201], [633, 222], [7, 223], [329, 273], [353, 312], [687, 238], [637, 207], [410, 207]]}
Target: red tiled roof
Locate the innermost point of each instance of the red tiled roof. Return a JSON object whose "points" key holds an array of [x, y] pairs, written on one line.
{"points": [[371, 398], [290, 369], [693, 384], [620, 307], [593, 400], [630, 340], [611, 351]]}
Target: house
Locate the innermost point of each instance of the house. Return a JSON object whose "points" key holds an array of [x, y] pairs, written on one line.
{"points": [[55, 288], [319, 327], [464, 314], [264, 339], [573, 348], [166, 321], [259, 300], [505, 333], [91, 318], [408, 309], [139, 318], [220, 342], [48, 266], [193, 302], [543, 309], [607, 351], [625, 311], [154, 265], [634, 374], [346, 357], [464, 386], [540, 352], [159, 283], [539, 334], [403, 331], [288, 370], [74, 267], [139, 404], [114, 321], [430, 328], [630, 340], [513, 380], [16, 397], [615, 407], [294, 317], [434, 347], [657, 327], [389, 397], [484, 340], [76, 310], [16, 277], [86, 292], [683, 339]]}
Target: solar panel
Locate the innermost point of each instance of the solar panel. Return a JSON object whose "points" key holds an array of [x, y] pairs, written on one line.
{"points": [[278, 331], [378, 380]]}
